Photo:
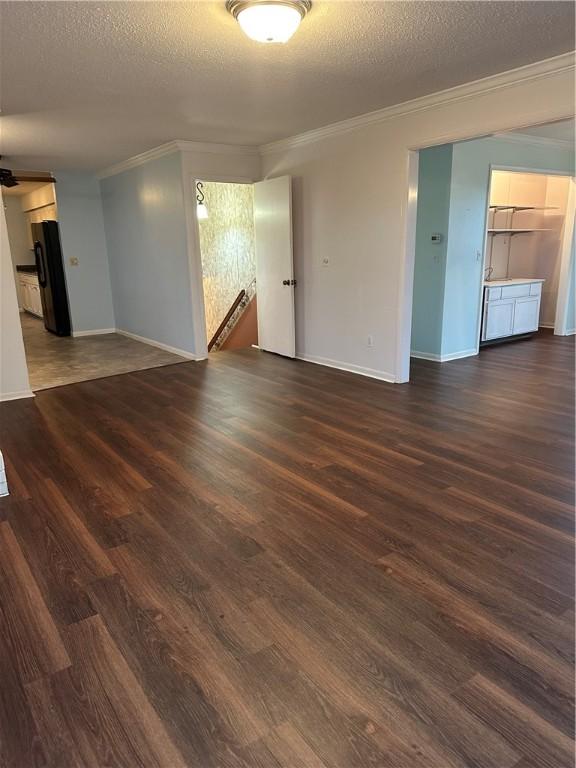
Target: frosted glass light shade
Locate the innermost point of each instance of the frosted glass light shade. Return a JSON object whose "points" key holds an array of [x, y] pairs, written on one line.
{"points": [[201, 211], [269, 23]]}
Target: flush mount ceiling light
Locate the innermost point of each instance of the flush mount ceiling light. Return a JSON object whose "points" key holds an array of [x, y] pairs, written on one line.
{"points": [[269, 21]]}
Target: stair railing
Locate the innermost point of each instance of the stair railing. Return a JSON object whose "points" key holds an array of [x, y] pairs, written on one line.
{"points": [[231, 317]]}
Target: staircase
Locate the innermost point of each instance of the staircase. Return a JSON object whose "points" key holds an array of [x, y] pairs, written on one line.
{"points": [[238, 328]]}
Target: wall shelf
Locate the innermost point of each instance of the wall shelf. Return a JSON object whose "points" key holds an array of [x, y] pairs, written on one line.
{"points": [[523, 207], [515, 231]]}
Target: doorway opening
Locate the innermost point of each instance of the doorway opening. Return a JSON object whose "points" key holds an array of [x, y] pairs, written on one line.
{"points": [[225, 213], [46, 277], [494, 242], [526, 221], [31, 214], [244, 241]]}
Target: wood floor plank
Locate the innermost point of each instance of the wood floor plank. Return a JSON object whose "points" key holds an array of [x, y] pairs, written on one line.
{"points": [[255, 562], [21, 744], [55, 564], [517, 723], [116, 711], [37, 646], [549, 685]]}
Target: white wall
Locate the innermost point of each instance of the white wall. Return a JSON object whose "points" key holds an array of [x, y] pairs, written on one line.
{"points": [[40, 203], [13, 370], [351, 203], [18, 236], [83, 237]]}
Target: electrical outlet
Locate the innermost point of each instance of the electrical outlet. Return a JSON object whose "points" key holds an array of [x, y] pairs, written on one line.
{"points": [[73, 261], [370, 340]]}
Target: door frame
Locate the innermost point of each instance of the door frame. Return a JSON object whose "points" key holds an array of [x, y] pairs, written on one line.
{"points": [[566, 265], [195, 254]]}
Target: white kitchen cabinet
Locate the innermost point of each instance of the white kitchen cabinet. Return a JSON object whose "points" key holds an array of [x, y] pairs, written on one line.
{"points": [[511, 307], [526, 314], [30, 293], [498, 318]]}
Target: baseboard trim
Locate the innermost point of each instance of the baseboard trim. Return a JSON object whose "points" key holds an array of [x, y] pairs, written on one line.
{"points": [[160, 345], [6, 396], [443, 358], [95, 332], [371, 373]]}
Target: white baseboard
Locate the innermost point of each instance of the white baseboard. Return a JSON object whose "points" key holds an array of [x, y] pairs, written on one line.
{"points": [[5, 396], [546, 325], [425, 356], [372, 373], [160, 345], [443, 358], [95, 332]]}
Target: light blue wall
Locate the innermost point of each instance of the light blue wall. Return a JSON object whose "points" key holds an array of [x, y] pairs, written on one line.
{"points": [[147, 250], [82, 235], [434, 174], [471, 162]]}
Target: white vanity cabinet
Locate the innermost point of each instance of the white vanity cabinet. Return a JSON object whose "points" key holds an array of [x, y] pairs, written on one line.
{"points": [[511, 307], [30, 293]]}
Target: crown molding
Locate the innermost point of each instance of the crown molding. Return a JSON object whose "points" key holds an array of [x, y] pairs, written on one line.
{"points": [[216, 149], [179, 145], [535, 141], [141, 159], [530, 72]]}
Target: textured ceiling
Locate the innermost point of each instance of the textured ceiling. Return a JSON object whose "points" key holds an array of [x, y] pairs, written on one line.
{"points": [[86, 84]]}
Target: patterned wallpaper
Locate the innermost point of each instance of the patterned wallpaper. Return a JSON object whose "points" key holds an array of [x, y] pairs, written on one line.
{"points": [[227, 247]]}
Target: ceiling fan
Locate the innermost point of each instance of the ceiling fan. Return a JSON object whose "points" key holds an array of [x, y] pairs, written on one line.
{"points": [[8, 179]]}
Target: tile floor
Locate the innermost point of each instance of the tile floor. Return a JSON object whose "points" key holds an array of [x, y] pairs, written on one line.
{"points": [[54, 361]]}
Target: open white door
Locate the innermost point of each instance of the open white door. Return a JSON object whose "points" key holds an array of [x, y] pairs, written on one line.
{"points": [[274, 265]]}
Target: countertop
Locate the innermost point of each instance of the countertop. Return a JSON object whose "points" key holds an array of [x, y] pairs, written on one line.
{"points": [[513, 281], [29, 268]]}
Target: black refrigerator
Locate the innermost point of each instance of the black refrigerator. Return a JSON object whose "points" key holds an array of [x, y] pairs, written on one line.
{"points": [[51, 277]]}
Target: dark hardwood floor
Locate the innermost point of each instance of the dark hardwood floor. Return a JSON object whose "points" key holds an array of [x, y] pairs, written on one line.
{"points": [[254, 562]]}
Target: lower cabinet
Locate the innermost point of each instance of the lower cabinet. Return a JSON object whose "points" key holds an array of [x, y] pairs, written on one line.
{"points": [[498, 319], [508, 314], [526, 314], [30, 294]]}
